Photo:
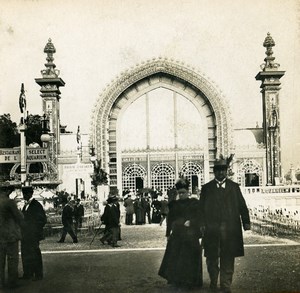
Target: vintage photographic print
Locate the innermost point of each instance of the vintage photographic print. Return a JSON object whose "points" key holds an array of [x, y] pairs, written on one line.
{"points": [[149, 146]]}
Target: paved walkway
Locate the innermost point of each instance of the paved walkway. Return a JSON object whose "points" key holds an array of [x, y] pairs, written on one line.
{"points": [[270, 265]]}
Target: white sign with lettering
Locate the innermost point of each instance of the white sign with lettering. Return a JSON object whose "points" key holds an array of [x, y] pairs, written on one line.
{"points": [[13, 155]]}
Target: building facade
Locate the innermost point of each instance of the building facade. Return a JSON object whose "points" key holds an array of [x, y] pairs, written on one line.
{"points": [[198, 121]]}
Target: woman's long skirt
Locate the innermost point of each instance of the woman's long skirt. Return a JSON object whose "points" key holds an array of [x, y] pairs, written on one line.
{"points": [[182, 262]]}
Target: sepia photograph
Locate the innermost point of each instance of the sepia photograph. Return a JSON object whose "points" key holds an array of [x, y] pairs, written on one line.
{"points": [[150, 146]]}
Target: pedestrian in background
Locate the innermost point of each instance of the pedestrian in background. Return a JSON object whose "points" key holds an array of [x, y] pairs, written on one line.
{"points": [[223, 208], [147, 204], [32, 233], [164, 209], [67, 221], [156, 204], [111, 219], [78, 215], [129, 209], [139, 210], [182, 262], [10, 234]]}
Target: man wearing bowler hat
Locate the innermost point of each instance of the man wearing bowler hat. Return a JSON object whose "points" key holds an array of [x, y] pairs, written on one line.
{"points": [[224, 213], [32, 232]]}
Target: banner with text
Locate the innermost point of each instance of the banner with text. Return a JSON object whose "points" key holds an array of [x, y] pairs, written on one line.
{"points": [[32, 155]]}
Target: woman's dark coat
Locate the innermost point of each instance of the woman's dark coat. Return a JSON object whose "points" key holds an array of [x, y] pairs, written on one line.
{"points": [[182, 261], [218, 206]]}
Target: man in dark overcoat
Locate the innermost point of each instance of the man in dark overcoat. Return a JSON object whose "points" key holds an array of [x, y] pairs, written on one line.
{"points": [[111, 219], [78, 215], [224, 212], [128, 204], [67, 221], [10, 234], [32, 232], [139, 210]]}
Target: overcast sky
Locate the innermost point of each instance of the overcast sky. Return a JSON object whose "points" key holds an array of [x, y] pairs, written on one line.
{"points": [[97, 40]]}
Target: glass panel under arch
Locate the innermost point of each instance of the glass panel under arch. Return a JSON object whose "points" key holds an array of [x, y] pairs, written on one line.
{"points": [[163, 116]]}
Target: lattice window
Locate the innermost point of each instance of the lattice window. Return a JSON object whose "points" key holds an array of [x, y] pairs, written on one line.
{"points": [[163, 176], [190, 169], [249, 166], [130, 175]]}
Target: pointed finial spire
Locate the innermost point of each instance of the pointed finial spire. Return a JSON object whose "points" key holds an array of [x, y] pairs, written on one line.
{"points": [[269, 60], [50, 50], [50, 70]]}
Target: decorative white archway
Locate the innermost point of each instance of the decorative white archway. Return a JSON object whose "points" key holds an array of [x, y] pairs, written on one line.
{"points": [[143, 78]]}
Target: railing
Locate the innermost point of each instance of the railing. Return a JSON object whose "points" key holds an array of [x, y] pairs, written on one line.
{"points": [[272, 189], [278, 222]]}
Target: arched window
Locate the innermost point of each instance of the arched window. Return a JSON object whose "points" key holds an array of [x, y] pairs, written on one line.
{"points": [[194, 173], [163, 176], [249, 173], [133, 177]]}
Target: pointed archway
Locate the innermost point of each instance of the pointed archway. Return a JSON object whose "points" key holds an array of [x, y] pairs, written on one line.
{"points": [[153, 74]]}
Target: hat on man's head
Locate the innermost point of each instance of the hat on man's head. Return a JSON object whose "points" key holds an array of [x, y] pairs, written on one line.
{"points": [[112, 198], [222, 163]]}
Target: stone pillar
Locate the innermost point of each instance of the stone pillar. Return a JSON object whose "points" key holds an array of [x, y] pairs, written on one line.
{"points": [[270, 86], [50, 93]]}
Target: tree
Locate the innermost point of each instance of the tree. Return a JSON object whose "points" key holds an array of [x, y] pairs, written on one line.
{"points": [[99, 176], [10, 137], [34, 129]]}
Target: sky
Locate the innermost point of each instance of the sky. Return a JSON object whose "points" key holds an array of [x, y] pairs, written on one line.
{"points": [[96, 40]]}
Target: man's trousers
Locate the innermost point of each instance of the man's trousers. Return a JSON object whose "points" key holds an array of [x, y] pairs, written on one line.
{"points": [[9, 251], [31, 258]]}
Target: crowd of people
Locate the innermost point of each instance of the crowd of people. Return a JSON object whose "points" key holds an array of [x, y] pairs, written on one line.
{"points": [[145, 208], [217, 218]]}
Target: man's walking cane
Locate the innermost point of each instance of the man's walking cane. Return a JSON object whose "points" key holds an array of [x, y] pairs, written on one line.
{"points": [[96, 233]]}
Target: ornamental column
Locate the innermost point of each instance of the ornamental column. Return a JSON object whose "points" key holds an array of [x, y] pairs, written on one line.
{"points": [[50, 93], [270, 86]]}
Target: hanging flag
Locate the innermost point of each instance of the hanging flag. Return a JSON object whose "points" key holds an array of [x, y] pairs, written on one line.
{"points": [[78, 136], [22, 99]]}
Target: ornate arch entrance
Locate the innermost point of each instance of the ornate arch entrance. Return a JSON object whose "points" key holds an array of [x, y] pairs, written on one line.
{"points": [[153, 74]]}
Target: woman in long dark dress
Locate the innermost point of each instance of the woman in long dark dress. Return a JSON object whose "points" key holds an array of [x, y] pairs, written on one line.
{"points": [[182, 262]]}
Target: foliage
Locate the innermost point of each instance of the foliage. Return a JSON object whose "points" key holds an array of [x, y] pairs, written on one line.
{"points": [[99, 176], [34, 129], [9, 136]]}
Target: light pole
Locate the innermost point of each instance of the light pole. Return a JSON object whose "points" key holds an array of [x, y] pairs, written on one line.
{"points": [[22, 128]]}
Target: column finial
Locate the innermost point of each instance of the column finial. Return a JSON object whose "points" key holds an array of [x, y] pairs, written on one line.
{"points": [[50, 70], [269, 64]]}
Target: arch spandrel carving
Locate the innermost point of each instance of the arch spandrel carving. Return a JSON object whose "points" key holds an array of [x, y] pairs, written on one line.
{"points": [[159, 71]]}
